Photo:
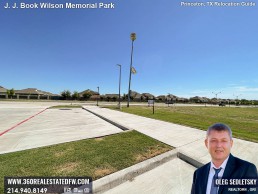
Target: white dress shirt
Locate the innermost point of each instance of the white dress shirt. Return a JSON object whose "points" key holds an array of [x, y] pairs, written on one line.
{"points": [[212, 173]]}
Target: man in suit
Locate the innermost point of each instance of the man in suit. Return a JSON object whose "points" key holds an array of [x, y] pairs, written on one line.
{"points": [[223, 164]]}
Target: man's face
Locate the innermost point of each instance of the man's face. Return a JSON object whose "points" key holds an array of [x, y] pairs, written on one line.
{"points": [[219, 145]]}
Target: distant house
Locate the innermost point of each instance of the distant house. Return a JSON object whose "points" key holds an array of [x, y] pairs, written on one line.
{"points": [[148, 96], [3, 92], [29, 93], [214, 100], [139, 97], [133, 94], [88, 91], [206, 100], [171, 97], [161, 98], [93, 95], [197, 99], [34, 93], [183, 100], [226, 101]]}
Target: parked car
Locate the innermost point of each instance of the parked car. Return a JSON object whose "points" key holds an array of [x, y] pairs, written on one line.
{"points": [[222, 104], [169, 102]]}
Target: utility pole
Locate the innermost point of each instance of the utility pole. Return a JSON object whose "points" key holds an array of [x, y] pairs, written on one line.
{"points": [[119, 86]]}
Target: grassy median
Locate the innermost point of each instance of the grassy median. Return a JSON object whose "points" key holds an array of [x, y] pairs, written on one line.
{"points": [[91, 157], [243, 121], [65, 106]]}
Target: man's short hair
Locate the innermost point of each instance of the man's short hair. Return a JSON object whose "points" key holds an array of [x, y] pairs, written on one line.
{"points": [[219, 127]]}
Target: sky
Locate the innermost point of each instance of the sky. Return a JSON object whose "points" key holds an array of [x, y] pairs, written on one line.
{"points": [[182, 50]]}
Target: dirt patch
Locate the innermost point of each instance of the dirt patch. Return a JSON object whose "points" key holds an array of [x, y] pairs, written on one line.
{"points": [[100, 172], [151, 152], [67, 168], [99, 139], [61, 153]]}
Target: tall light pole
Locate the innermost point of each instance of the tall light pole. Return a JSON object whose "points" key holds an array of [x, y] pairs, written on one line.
{"points": [[133, 37], [236, 97], [119, 98], [98, 97], [216, 94]]}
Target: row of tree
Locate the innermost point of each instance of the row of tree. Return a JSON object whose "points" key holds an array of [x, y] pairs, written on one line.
{"points": [[67, 95]]}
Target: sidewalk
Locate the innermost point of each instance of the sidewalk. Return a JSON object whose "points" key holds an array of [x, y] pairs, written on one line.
{"points": [[186, 139]]}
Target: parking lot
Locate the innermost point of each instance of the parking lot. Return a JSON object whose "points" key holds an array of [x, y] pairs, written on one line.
{"points": [[25, 125], [31, 125]]}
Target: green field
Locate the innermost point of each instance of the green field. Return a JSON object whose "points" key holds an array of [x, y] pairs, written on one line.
{"points": [[91, 157], [243, 121]]}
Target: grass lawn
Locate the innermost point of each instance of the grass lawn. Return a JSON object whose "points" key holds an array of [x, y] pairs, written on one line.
{"points": [[91, 157], [65, 106], [243, 121]]}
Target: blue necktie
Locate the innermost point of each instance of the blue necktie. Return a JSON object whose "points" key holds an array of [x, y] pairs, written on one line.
{"points": [[214, 188]]}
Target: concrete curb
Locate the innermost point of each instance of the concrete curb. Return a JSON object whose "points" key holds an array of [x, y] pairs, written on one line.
{"points": [[110, 181], [108, 120], [189, 160]]}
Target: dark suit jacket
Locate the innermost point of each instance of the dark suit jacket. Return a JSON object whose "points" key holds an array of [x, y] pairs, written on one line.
{"points": [[235, 168]]}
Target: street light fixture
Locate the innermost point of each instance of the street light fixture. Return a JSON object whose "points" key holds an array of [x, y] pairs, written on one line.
{"points": [[133, 38], [98, 97], [216, 94], [119, 105]]}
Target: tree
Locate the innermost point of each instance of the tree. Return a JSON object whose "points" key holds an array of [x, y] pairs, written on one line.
{"points": [[131, 97], [75, 95], [255, 102], [114, 98], [87, 95], [245, 102], [66, 94], [10, 93]]}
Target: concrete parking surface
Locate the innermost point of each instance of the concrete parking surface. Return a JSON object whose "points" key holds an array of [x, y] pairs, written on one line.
{"points": [[52, 126]]}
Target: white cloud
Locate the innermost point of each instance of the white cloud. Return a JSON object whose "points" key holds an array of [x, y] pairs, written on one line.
{"points": [[231, 92], [245, 89]]}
